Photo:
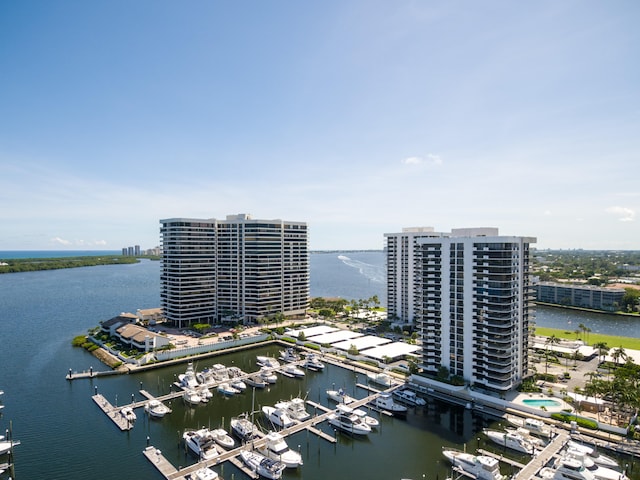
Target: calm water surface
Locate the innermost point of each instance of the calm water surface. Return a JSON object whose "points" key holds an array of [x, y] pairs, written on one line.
{"points": [[65, 436]]}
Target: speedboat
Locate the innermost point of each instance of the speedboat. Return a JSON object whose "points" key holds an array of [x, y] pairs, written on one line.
{"points": [[205, 394], [219, 372], [188, 378], [204, 473], [408, 397], [385, 402], [295, 408], [7, 445], [312, 362], [206, 378], [156, 408], [340, 396], [535, 426], [347, 421], [566, 469], [480, 467], [235, 381], [599, 472], [265, 361], [510, 439], [591, 452], [222, 438], [267, 375], [128, 414], [227, 390], [191, 397], [381, 378], [289, 355], [276, 448], [278, 417], [368, 419], [291, 370], [262, 465], [537, 442], [255, 381], [243, 428], [201, 442]]}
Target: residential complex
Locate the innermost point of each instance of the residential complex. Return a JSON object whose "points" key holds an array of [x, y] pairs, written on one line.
{"points": [[584, 296], [237, 269], [469, 295]]}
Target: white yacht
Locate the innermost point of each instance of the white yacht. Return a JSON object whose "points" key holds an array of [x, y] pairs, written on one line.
{"points": [[227, 390], [368, 419], [535, 426], [295, 408], [597, 457], [408, 397], [204, 393], [291, 370], [220, 372], [278, 417], [312, 362], [263, 466], [347, 421], [156, 408], [7, 445], [265, 361], [566, 469], [289, 355], [381, 378], [267, 375], [204, 473], [222, 438], [243, 428], [191, 397], [340, 396], [128, 414], [510, 439], [599, 472], [385, 402], [188, 378], [256, 381], [480, 467], [201, 442], [276, 448]]}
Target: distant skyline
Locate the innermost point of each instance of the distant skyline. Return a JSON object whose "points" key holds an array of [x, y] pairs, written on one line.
{"points": [[357, 117]]}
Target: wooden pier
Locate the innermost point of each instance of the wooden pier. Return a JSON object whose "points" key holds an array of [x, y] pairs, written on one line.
{"points": [[540, 460], [113, 412]]}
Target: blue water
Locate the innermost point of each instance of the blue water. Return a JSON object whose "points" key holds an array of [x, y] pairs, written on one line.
{"points": [[8, 254], [544, 402]]}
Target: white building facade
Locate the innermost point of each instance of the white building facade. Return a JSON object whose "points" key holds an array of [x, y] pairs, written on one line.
{"points": [[469, 294], [239, 269]]}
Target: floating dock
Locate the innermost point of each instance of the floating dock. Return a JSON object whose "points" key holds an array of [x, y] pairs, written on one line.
{"points": [[113, 412]]}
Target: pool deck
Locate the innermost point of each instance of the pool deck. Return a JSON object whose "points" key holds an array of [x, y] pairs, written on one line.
{"points": [[559, 406]]}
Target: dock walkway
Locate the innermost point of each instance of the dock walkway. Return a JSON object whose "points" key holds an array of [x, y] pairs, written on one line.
{"points": [[539, 461], [112, 412]]}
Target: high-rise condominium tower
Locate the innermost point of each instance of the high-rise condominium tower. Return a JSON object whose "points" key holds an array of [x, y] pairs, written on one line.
{"points": [[469, 295], [238, 268]]}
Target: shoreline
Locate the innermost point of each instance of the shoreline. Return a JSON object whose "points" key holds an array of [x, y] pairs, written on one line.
{"points": [[588, 310]]}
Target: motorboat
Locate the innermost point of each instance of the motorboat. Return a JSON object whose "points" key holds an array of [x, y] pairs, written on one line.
{"points": [[238, 384], [510, 439], [591, 452], [409, 397], [128, 414], [534, 425], [537, 442], [262, 465], [188, 378], [220, 372], [289, 355], [265, 361], [227, 390], [312, 362], [243, 428], [368, 419], [566, 468], [347, 421], [599, 472], [191, 397], [480, 467], [278, 417], [291, 370], [255, 381], [156, 408], [276, 448], [205, 394], [202, 443], [384, 401], [235, 375], [223, 439], [295, 408], [267, 375], [204, 473], [7, 445], [340, 396], [380, 378], [206, 378]]}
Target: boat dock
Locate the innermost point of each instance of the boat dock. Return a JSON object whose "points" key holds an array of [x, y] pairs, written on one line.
{"points": [[540, 460], [112, 412]]}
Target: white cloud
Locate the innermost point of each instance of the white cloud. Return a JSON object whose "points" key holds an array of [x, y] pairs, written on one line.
{"points": [[60, 241], [624, 214], [429, 160]]}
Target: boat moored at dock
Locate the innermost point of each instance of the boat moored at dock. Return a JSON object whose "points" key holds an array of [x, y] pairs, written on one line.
{"points": [[276, 448], [263, 466], [480, 467], [201, 442], [157, 409], [347, 421], [510, 439], [340, 396]]}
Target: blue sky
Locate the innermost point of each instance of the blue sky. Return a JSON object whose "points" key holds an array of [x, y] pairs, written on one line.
{"points": [[357, 117]]}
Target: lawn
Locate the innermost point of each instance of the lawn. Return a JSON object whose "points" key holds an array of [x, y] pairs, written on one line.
{"points": [[612, 341]]}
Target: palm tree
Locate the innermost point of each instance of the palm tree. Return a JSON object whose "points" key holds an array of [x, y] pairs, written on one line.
{"points": [[618, 354], [582, 327], [552, 340], [587, 330], [602, 348]]}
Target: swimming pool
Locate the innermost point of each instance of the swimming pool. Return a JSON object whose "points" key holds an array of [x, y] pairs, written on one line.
{"points": [[541, 402]]}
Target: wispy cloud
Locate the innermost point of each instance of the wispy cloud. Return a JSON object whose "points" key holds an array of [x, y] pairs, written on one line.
{"points": [[429, 160], [60, 241], [624, 214]]}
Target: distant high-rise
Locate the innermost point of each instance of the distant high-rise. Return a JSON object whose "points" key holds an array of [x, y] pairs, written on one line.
{"points": [[469, 294], [238, 268]]}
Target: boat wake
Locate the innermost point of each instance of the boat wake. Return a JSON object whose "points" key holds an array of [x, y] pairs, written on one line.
{"points": [[374, 273]]}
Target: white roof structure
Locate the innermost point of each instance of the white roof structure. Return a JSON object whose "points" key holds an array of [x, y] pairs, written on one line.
{"points": [[334, 337], [312, 331], [361, 343], [581, 398], [391, 350]]}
